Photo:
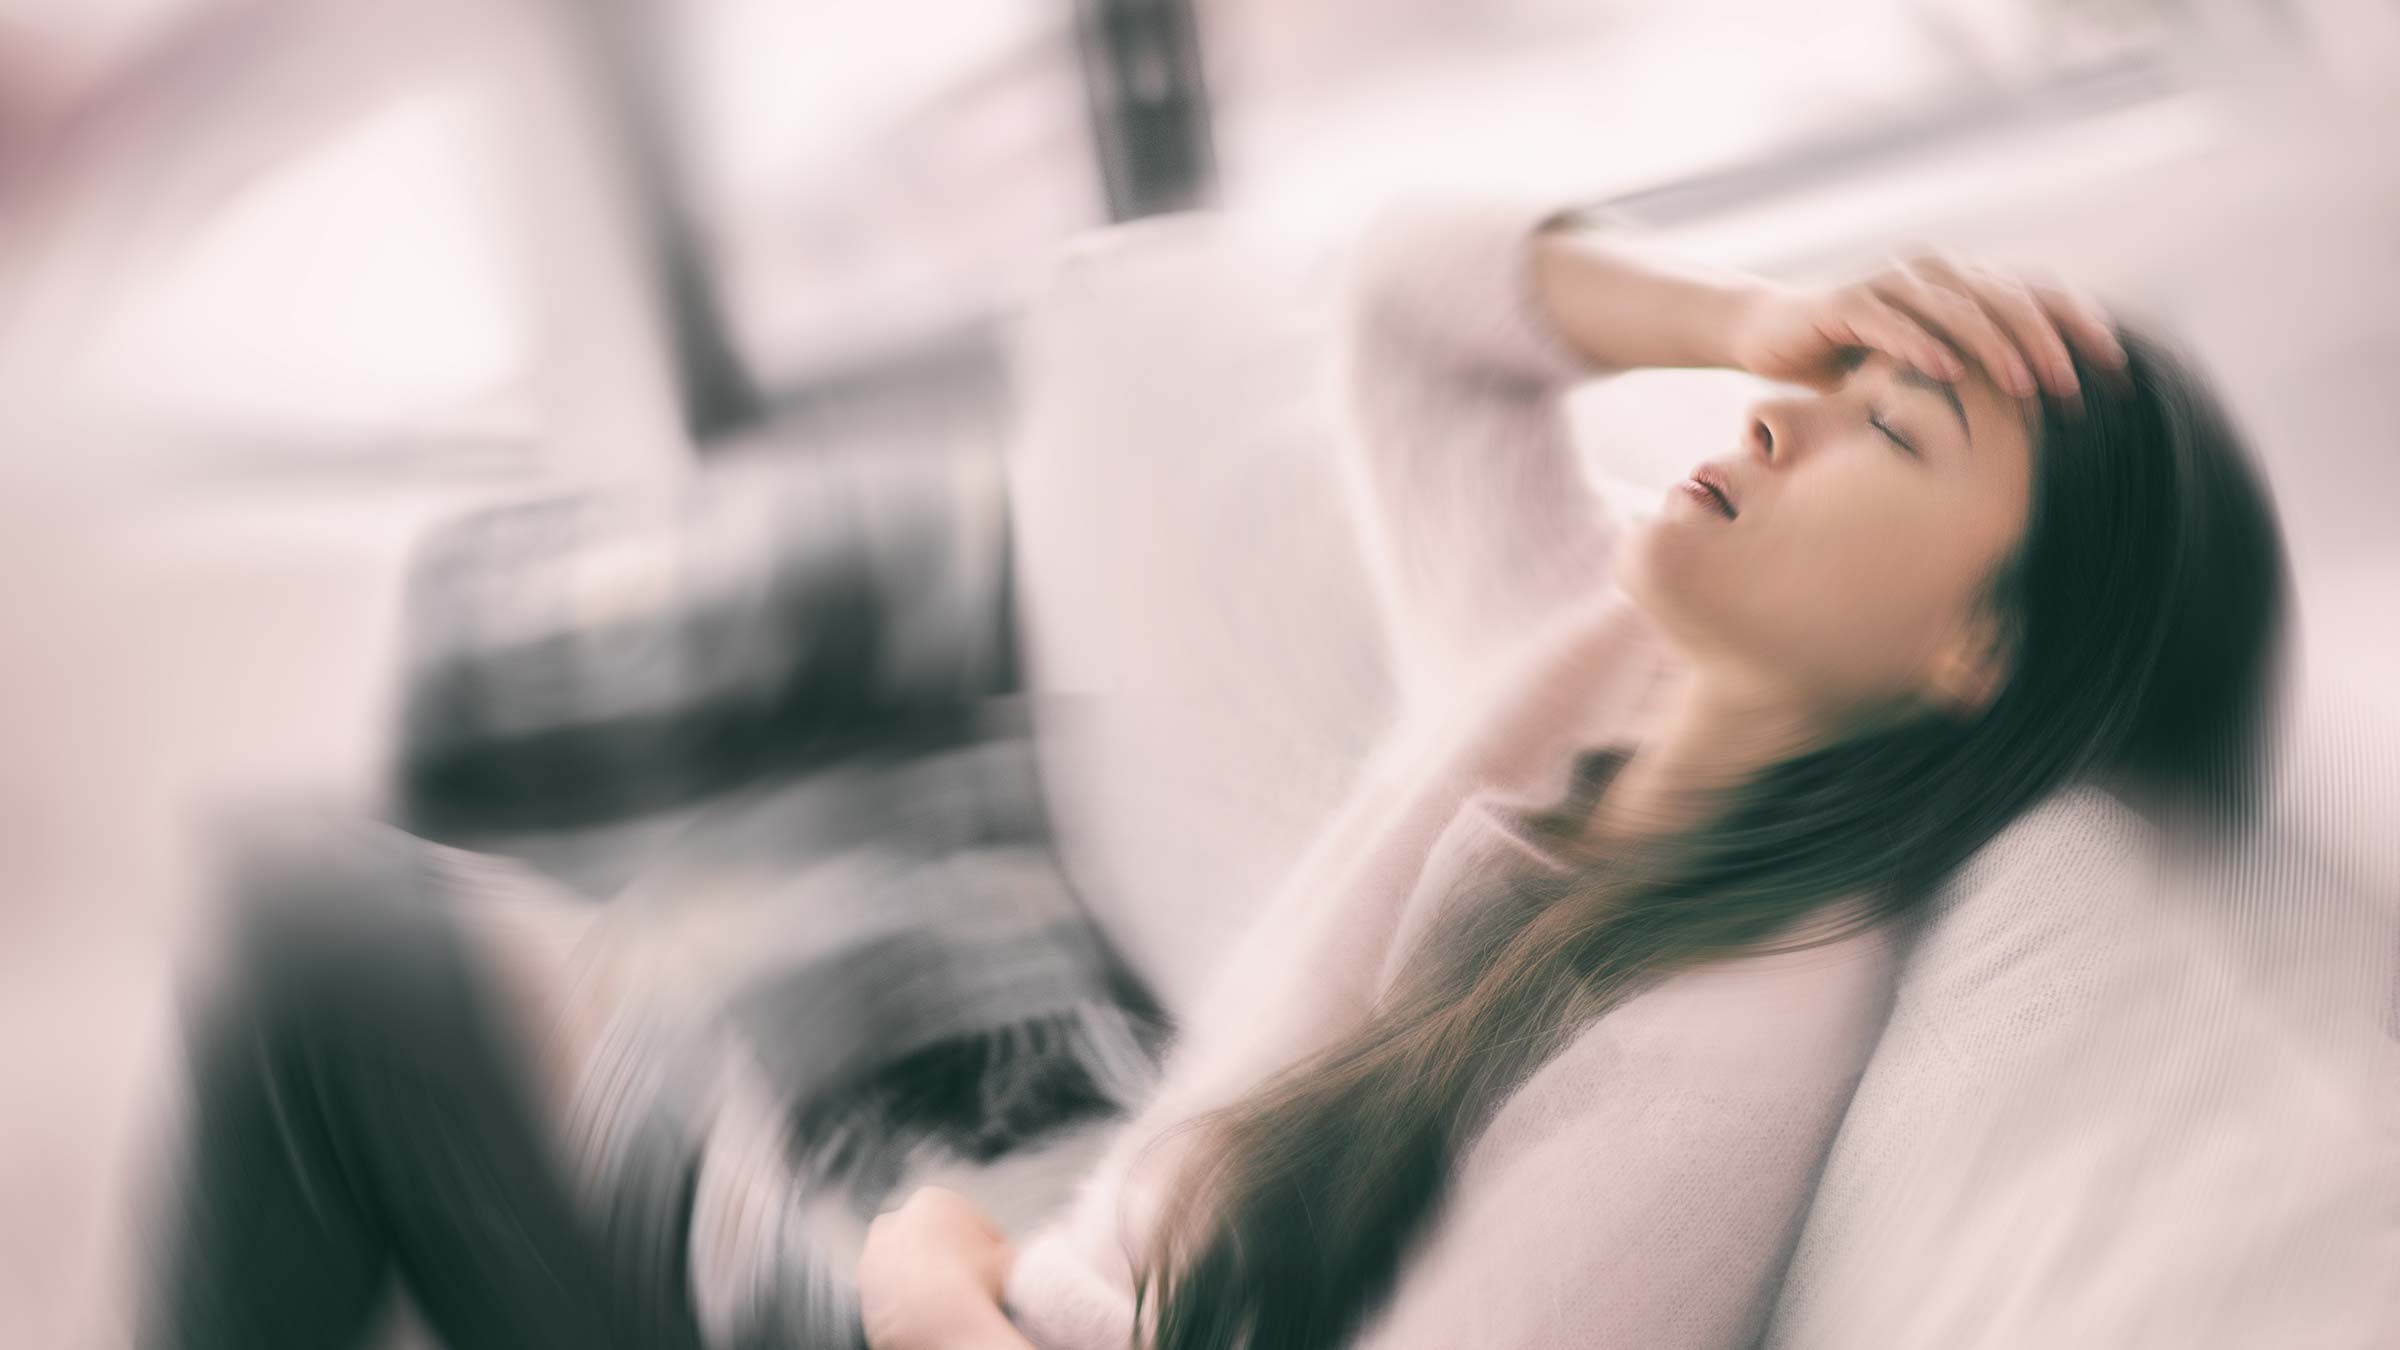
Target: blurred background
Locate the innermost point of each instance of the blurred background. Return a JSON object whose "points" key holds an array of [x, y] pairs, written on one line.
{"points": [[285, 283]]}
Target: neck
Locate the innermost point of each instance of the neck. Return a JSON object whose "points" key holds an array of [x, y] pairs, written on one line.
{"points": [[1713, 733]]}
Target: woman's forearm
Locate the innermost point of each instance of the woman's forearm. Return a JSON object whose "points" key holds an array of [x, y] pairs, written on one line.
{"points": [[1625, 308]]}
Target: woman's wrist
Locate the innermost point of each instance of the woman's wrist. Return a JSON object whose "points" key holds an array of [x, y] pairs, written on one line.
{"points": [[1732, 309], [1622, 309]]}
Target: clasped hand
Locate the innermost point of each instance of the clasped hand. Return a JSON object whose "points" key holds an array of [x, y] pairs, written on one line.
{"points": [[931, 1274]]}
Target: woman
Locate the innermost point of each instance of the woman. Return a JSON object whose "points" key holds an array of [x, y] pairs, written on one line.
{"points": [[1497, 1075]]}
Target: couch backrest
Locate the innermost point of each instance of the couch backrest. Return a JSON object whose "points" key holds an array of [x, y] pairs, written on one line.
{"points": [[1194, 615]]}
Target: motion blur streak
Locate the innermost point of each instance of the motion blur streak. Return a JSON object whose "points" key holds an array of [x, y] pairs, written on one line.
{"points": [[639, 466]]}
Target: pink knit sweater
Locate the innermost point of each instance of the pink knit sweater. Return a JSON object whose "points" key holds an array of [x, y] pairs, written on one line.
{"points": [[1643, 1188]]}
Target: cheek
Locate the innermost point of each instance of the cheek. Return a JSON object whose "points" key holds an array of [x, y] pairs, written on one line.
{"points": [[1842, 588], [1883, 562], [1862, 598], [1871, 564]]}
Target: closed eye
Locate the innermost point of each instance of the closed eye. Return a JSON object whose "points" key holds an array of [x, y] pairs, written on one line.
{"points": [[1876, 421]]}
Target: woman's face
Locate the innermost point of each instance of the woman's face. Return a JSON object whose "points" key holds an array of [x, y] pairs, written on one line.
{"points": [[1868, 519]]}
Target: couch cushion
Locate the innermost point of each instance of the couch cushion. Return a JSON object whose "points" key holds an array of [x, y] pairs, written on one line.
{"points": [[1195, 618]]}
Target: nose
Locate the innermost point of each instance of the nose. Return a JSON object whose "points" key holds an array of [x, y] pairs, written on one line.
{"points": [[1769, 435]]}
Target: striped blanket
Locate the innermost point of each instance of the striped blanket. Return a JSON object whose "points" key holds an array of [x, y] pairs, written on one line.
{"points": [[860, 965]]}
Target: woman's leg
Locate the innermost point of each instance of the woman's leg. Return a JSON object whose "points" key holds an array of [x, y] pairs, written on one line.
{"points": [[361, 1112]]}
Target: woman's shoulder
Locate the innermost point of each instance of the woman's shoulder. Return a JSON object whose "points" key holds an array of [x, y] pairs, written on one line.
{"points": [[1807, 1012]]}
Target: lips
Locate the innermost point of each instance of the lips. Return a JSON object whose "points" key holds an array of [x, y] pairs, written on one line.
{"points": [[1718, 486]]}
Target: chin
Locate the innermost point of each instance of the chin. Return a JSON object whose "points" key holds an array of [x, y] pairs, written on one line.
{"points": [[1669, 591], [1646, 578]]}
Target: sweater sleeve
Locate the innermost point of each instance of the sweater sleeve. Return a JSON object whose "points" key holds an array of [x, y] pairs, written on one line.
{"points": [[1475, 517]]}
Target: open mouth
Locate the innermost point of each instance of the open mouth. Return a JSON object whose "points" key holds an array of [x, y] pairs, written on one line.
{"points": [[1710, 494]]}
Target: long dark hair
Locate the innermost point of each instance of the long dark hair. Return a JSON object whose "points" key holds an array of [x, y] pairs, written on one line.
{"points": [[2143, 611]]}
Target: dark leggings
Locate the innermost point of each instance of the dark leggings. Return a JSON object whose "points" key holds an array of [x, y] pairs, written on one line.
{"points": [[361, 1121]]}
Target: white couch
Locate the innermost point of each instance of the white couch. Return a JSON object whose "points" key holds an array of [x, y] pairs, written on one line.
{"points": [[2112, 1107]]}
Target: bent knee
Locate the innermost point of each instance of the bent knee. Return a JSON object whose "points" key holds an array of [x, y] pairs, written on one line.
{"points": [[330, 919]]}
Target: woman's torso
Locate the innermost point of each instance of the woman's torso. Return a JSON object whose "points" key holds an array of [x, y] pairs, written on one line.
{"points": [[1684, 1125], [1748, 1062]]}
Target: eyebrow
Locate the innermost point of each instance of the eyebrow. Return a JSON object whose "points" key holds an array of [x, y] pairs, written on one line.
{"points": [[1917, 379]]}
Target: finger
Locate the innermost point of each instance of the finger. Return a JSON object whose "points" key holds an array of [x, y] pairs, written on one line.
{"points": [[956, 1207], [921, 1203], [994, 1264], [2081, 319], [2011, 305], [1866, 321], [1962, 322]]}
